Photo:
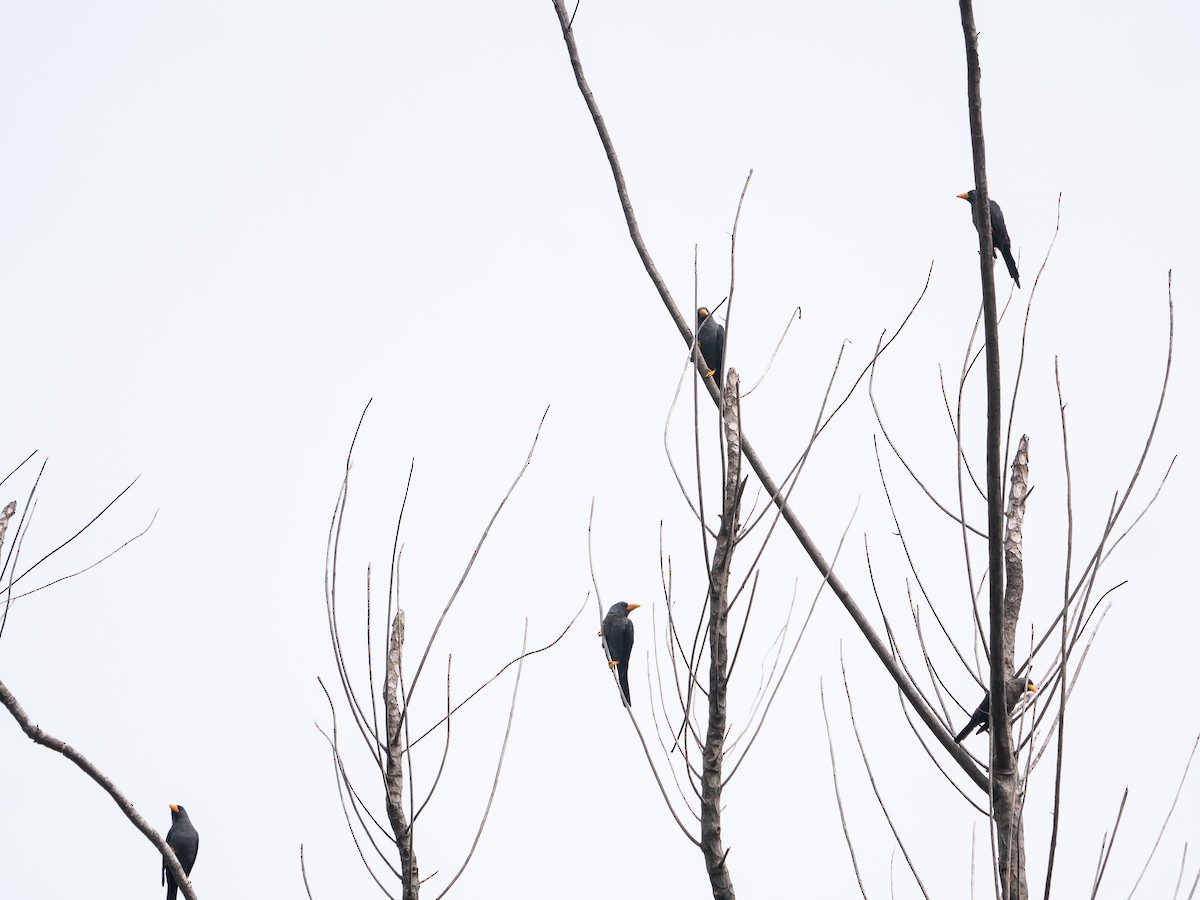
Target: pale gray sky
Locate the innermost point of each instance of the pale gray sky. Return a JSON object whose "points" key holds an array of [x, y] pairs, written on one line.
{"points": [[226, 226]]}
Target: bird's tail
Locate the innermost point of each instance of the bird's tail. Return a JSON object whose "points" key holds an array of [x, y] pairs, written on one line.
{"points": [[958, 738], [1012, 265], [171, 889], [623, 677]]}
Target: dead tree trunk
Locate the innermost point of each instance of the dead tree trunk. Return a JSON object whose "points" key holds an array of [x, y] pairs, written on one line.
{"points": [[395, 762], [718, 649], [1006, 780]]}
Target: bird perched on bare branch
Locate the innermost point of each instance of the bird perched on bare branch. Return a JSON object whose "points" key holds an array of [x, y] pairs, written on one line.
{"points": [[617, 631], [1000, 239], [183, 839], [711, 338], [1014, 690]]}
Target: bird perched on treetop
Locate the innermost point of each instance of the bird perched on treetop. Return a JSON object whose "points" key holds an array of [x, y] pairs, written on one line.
{"points": [[618, 635], [1000, 239], [1014, 690], [711, 337], [183, 839]]}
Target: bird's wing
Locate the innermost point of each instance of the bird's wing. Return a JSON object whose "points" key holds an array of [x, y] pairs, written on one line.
{"points": [[619, 634], [188, 845]]}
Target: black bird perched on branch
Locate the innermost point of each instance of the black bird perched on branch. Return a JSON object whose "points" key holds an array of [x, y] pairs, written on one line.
{"points": [[183, 839], [1014, 689], [711, 337], [618, 636], [1000, 239]]}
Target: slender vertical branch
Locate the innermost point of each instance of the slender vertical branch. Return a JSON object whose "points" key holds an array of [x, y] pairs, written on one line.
{"points": [[838, 795], [1003, 773], [1056, 818]]}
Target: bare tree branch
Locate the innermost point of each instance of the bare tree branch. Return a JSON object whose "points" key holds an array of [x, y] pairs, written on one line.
{"points": [[875, 787], [38, 736], [474, 555], [304, 874], [499, 766], [1170, 812], [1102, 863], [92, 521], [504, 668], [837, 792], [107, 556]]}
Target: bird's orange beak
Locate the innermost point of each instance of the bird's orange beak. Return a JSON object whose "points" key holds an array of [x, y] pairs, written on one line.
{"points": [[632, 606], [1032, 687], [962, 196], [173, 807]]}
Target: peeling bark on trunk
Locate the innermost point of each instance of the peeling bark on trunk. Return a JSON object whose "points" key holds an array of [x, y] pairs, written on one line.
{"points": [[718, 648], [1006, 781], [395, 762], [1014, 565], [6, 514]]}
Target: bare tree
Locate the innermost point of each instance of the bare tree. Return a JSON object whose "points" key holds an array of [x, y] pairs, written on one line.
{"points": [[386, 843], [12, 590], [1001, 780]]}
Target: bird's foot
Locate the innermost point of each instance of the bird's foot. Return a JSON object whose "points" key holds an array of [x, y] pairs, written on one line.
{"points": [[612, 663], [712, 372]]}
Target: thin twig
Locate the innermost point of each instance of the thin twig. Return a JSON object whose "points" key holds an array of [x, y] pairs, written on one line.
{"points": [[794, 316], [474, 556], [838, 795], [499, 766], [1105, 854], [92, 521], [791, 655], [904, 462], [875, 787], [88, 568], [1170, 812], [501, 671], [1062, 697], [1182, 868], [445, 750], [304, 874]]}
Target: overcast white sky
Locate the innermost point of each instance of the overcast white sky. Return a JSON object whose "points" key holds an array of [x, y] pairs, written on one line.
{"points": [[225, 226]]}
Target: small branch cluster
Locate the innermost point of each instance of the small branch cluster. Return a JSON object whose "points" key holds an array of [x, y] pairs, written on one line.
{"points": [[389, 744]]}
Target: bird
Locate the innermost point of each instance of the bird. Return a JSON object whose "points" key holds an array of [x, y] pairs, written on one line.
{"points": [[1000, 239], [1014, 689], [711, 337], [183, 839], [617, 631]]}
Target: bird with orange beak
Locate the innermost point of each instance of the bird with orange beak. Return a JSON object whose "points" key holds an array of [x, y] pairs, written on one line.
{"points": [[1000, 239], [185, 841]]}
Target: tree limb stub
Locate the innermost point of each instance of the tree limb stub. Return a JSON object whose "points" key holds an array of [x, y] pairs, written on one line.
{"points": [[395, 761]]}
